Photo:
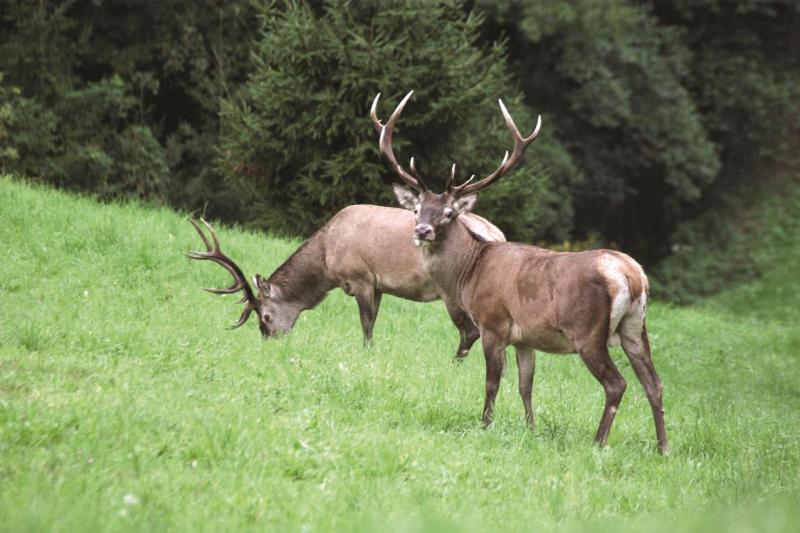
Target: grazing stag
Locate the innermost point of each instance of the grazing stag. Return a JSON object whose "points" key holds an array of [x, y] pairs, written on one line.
{"points": [[366, 250], [529, 297]]}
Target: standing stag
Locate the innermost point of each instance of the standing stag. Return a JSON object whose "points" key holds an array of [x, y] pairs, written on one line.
{"points": [[366, 250], [529, 297]]}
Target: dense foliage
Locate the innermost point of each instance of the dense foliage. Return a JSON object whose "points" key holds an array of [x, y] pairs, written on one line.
{"points": [[657, 105], [121, 99], [299, 143], [653, 113]]}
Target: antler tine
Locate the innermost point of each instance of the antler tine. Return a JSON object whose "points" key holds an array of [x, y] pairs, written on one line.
{"points": [[214, 254], [458, 188], [385, 142], [452, 177], [244, 317], [399, 109], [240, 283], [373, 114], [520, 144], [213, 235], [510, 123], [202, 236], [414, 170], [233, 289]]}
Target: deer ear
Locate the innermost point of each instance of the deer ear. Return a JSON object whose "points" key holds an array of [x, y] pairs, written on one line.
{"points": [[464, 204], [262, 286], [405, 196]]}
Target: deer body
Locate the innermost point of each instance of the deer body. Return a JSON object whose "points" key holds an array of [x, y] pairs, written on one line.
{"points": [[527, 297], [368, 246], [533, 297], [387, 263], [367, 251]]}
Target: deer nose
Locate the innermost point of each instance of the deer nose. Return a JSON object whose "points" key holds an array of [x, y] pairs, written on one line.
{"points": [[424, 231]]}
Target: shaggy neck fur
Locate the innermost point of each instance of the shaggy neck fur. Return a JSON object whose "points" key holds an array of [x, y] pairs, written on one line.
{"points": [[450, 261], [302, 279]]}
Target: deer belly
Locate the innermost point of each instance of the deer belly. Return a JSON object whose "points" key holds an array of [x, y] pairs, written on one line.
{"points": [[542, 338], [415, 288]]}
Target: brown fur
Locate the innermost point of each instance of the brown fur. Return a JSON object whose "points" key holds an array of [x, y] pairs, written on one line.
{"points": [[527, 297], [537, 299], [367, 251], [636, 278], [300, 275]]}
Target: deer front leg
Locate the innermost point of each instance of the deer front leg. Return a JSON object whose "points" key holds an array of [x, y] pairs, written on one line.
{"points": [[494, 351], [468, 332], [526, 364], [369, 301]]}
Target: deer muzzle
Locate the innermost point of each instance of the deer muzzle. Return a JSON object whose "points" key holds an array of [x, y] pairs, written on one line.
{"points": [[424, 232]]}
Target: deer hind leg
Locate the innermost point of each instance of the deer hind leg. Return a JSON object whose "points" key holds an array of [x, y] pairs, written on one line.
{"points": [[526, 363], [599, 363], [637, 347], [494, 351], [369, 301]]}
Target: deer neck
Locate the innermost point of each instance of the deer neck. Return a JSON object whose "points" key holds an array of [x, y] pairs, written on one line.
{"points": [[450, 261], [302, 280]]}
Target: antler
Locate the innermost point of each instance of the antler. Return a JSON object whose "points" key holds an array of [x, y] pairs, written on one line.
{"points": [[240, 283], [385, 143], [449, 186], [520, 144]]}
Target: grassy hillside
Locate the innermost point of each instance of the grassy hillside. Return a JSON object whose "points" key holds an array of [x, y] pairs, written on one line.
{"points": [[125, 404]]}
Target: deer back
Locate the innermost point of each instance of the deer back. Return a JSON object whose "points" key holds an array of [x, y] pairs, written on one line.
{"points": [[373, 245]]}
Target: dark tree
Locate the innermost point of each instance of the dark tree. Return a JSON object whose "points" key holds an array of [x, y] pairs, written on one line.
{"points": [[298, 143]]}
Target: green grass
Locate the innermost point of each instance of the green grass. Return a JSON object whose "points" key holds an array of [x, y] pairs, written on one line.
{"points": [[125, 404]]}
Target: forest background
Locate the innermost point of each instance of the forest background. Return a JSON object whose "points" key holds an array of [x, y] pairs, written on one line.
{"points": [[662, 120]]}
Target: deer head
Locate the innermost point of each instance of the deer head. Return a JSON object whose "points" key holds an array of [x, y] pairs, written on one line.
{"points": [[274, 316], [434, 212]]}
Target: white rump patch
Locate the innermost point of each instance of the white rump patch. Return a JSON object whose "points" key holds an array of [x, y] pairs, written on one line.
{"points": [[631, 326], [626, 315], [621, 304]]}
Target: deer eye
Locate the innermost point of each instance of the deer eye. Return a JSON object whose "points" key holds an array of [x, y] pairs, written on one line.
{"points": [[416, 209], [448, 213], [267, 317]]}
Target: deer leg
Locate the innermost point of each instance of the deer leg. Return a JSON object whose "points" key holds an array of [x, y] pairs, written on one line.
{"points": [[467, 330], [494, 351], [637, 348], [369, 300], [526, 364], [376, 305], [468, 335], [599, 363]]}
